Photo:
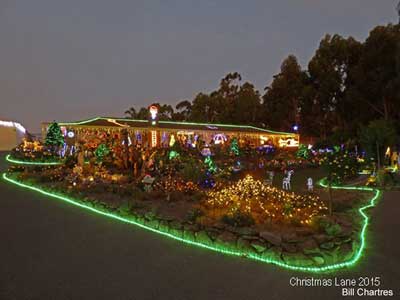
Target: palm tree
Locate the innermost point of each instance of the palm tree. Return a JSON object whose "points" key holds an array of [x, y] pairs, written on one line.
{"points": [[131, 112]]}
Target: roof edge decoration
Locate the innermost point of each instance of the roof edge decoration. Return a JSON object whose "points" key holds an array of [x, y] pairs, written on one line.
{"points": [[116, 120]]}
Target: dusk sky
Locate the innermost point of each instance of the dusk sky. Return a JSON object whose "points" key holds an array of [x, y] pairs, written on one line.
{"points": [[70, 60]]}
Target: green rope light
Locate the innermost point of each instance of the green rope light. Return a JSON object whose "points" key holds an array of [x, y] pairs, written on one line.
{"points": [[36, 163], [219, 248], [179, 123]]}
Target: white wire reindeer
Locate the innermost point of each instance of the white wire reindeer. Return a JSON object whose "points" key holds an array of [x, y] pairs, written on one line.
{"points": [[286, 180]]}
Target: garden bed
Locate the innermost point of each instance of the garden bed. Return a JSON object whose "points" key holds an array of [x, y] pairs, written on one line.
{"points": [[324, 242]]}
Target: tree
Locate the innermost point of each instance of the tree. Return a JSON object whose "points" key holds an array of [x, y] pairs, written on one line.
{"points": [[165, 112], [131, 112], [54, 137], [378, 73], [329, 71], [339, 166], [101, 151], [282, 98], [203, 109], [234, 148], [143, 114], [184, 110], [247, 106], [375, 137]]}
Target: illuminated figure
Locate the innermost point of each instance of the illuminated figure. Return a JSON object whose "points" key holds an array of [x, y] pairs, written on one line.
{"points": [[310, 184], [286, 180]]}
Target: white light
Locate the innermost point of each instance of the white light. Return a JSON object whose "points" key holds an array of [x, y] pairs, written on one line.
{"points": [[219, 138], [153, 111], [70, 134], [290, 142], [18, 126]]}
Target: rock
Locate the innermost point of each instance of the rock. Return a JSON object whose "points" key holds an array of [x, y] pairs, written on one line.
{"points": [[308, 244], [322, 238], [243, 245], [298, 259], [273, 238], [203, 238], [345, 252], [346, 232], [290, 237], [226, 236], [153, 223], [289, 247], [318, 260], [344, 221], [149, 215], [220, 226], [259, 246], [191, 227], [189, 235], [175, 225], [213, 233], [176, 232], [226, 239], [331, 256], [251, 237], [167, 218], [163, 226], [245, 231], [304, 231], [327, 245], [272, 254], [355, 245]]}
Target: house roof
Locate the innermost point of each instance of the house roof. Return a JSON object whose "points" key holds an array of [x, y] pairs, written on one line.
{"points": [[125, 122]]}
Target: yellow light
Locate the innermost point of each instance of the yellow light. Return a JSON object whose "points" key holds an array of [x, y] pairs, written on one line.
{"points": [[172, 140], [153, 138], [288, 143], [387, 151]]}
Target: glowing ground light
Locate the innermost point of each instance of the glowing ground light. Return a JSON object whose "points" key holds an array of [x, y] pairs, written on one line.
{"points": [[219, 248], [36, 163]]}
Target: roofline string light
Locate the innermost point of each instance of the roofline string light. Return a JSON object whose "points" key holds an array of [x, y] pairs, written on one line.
{"points": [[219, 248], [208, 125]]}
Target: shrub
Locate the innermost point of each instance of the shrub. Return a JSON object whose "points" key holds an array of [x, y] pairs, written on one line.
{"points": [[71, 161], [191, 171], [340, 165]]}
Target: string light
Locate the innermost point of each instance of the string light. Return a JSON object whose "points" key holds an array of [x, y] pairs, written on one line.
{"points": [[218, 248], [252, 196]]}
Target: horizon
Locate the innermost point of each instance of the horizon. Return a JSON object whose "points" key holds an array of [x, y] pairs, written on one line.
{"points": [[78, 60]]}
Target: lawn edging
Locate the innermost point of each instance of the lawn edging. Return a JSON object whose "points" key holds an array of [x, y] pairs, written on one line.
{"points": [[202, 240]]}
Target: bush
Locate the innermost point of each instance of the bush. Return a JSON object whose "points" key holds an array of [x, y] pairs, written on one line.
{"points": [[71, 161], [191, 171], [238, 219], [340, 165]]}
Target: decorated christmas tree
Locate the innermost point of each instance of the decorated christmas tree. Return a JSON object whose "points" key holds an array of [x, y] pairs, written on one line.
{"points": [[54, 137], [234, 147], [101, 151], [211, 167]]}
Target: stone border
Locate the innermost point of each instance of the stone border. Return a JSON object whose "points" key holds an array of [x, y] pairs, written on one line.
{"points": [[263, 248]]}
